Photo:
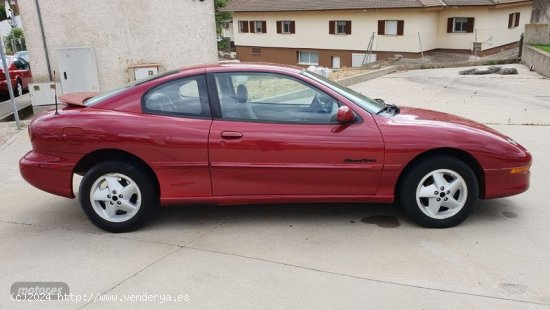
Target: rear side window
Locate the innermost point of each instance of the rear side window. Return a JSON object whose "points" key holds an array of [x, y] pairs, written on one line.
{"points": [[183, 97]]}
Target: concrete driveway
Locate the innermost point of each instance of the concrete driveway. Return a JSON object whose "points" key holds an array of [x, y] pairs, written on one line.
{"points": [[300, 256]]}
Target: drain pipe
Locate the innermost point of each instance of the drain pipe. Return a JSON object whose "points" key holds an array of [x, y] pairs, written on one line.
{"points": [[44, 40]]}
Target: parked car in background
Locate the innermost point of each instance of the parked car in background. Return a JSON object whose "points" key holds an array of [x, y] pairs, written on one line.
{"points": [[20, 74], [22, 54], [252, 134]]}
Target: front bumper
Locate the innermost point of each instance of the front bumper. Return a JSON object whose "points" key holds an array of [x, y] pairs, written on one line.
{"points": [[49, 173], [502, 183]]}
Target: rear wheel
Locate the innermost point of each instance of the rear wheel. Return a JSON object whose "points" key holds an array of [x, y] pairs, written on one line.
{"points": [[439, 192], [117, 196], [18, 89]]}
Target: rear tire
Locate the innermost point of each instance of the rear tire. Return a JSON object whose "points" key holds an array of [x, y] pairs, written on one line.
{"points": [[18, 91], [117, 196], [439, 192]]}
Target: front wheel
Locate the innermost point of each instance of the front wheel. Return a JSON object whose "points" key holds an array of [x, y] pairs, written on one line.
{"points": [[439, 192], [117, 196]]}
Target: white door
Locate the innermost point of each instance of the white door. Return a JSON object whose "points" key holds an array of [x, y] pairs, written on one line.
{"points": [[77, 69], [336, 62]]}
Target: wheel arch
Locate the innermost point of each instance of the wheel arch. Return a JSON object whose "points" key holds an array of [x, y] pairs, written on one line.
{"points": [[461, 155], [97, 156]]}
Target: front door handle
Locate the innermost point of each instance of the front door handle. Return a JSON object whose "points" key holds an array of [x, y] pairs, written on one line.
{"points": [[231, 135]]}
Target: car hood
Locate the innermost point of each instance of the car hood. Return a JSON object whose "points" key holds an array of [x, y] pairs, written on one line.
{"points": [[417, 116]]}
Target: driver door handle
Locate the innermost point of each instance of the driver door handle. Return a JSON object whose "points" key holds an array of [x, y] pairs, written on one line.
{"points": [[231, 135]]}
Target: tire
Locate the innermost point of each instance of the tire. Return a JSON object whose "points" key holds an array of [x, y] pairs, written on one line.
{"points": [[18, 91], [117, 196], [421, 197]]}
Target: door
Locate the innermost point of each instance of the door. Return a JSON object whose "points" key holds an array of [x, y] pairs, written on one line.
{"points": [[23, 70], [336, 62], [77, 69], [276, 135]]}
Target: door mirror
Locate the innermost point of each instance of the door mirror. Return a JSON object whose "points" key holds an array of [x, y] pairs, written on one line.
{"points": [[345, 115]]}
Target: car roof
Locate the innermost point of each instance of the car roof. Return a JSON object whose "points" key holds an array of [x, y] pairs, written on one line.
{"points": [[259, 66]]}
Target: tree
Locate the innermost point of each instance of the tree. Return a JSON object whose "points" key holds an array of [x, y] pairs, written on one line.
{"points": [[15, 41], [221, 16], [2, 12]]}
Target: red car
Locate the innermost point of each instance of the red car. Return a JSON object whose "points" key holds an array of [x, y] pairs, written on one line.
{"points": [[20, 74], [254, 134]]}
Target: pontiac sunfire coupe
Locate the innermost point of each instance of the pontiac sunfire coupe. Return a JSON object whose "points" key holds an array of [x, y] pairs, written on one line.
{"points": [[254, 134]]}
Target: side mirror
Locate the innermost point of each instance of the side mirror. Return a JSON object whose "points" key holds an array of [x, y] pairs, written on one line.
{"points": [[345, 115]]}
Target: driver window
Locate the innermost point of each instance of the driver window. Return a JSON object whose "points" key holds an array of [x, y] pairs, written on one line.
{"points": [[273, 98]]}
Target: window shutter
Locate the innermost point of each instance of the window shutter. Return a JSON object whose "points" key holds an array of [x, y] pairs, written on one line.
{"points": [[517, 20], [348, 27], [264, 26], [510, 20], [245, 26], [450, 24], [252, 27], [331, 27], [279, 27], [292, 27], [400, 27], [381, 27], [470, 25]]}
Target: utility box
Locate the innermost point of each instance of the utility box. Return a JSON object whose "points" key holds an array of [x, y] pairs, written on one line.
{"points": [[43, 93], [77, 69], [138, 72]]}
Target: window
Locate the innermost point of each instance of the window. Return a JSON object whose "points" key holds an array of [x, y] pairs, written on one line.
{"points": [[340, 27], [460, 24], [258, 26], [308, 58], [181, 97], [272, 97], [286, 27], [477, 46], [391, 27], [243, 26], [256, 51], [21, 64], [513, 20]]}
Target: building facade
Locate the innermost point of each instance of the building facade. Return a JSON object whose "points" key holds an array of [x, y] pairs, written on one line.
{"points": [[340, 33], [123, 35]]}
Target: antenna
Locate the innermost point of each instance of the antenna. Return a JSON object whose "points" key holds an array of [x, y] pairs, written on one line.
{"points": [[55, 93]]}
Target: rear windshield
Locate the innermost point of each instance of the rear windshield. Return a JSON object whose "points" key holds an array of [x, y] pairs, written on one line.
{"points": [[112, 92]]}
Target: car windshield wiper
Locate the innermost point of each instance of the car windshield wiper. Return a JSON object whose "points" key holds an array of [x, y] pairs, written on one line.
{"points": [[387, 107]]}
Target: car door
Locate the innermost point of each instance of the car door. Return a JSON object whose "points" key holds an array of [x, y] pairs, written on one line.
{"points": [[276, 134], [176, 122]]}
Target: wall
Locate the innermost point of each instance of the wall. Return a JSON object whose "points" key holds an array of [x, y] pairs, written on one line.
{"points": [[539, 59], [537, 34], [491, 26], [176, 33]]}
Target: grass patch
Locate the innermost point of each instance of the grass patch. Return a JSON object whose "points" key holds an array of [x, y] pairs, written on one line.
{"points": [[545, 48]]}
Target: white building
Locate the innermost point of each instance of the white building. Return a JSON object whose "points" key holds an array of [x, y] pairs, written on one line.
{"points": [[337, 33], [98, 45]]}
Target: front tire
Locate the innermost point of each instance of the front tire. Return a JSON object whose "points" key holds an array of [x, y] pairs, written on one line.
{"points": [[117, 196], [439, 192]]}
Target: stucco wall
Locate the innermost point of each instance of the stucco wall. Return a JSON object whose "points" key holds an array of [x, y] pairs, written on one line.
{"points": [[540, 60], [173, 33], [312, 29], [537, 34]]}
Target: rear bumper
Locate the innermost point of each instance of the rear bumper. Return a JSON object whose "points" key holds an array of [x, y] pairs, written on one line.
{"points": [[502, 183], [49, 173]]}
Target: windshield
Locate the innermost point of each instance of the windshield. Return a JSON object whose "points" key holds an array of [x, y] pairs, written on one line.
{"points": [[112, 92], [361, 100]]}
